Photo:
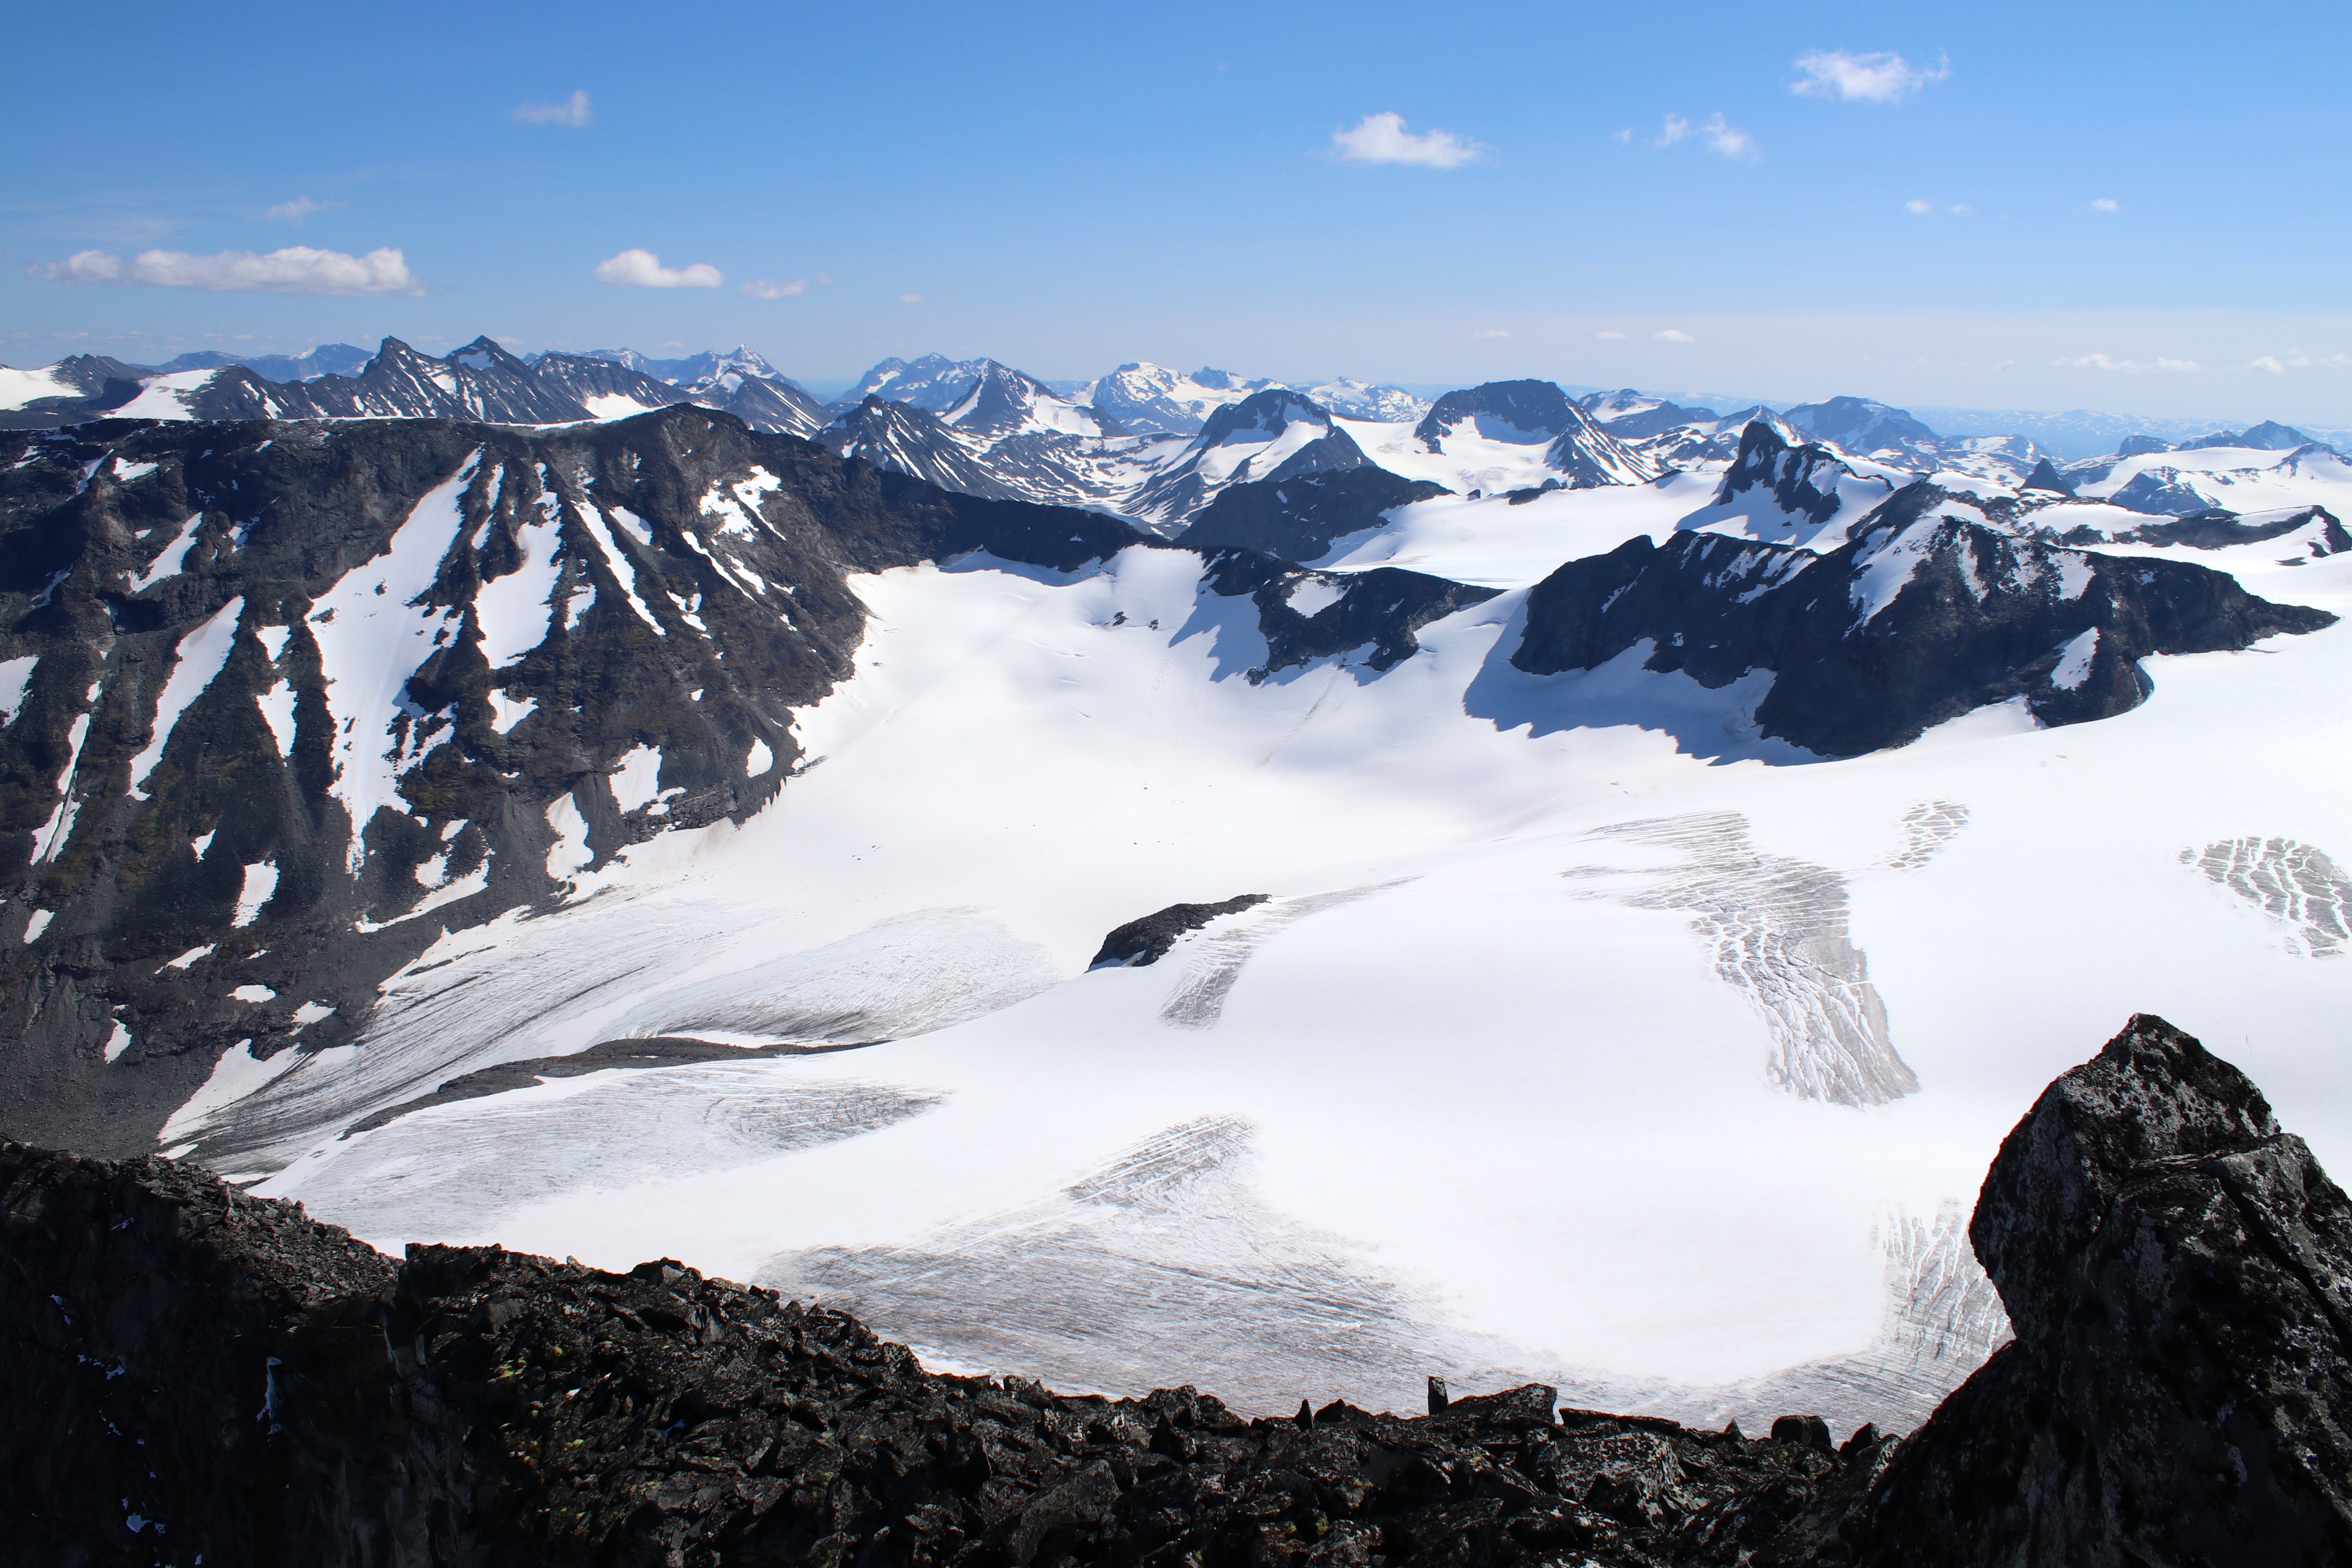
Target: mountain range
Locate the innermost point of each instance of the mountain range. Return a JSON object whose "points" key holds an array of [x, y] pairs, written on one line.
{"points": [[516, 800]]}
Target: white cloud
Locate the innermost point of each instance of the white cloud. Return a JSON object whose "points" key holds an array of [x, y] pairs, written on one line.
{"points": [[1719, 135], [910, 298], [2106, 204], [1494, 333], [1608, 336], [2127, 366], [296, 270], [299, 208], [1961, 209], [2269, 363], [1622, 137], [1864, 78], [1382, 139], [1919, 206], [1674, 335], [761, 289], [639, 268], [572, 111]]}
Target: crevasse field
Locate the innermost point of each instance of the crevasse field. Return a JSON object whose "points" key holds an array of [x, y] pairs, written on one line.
{"points": [[1583, 1035]]}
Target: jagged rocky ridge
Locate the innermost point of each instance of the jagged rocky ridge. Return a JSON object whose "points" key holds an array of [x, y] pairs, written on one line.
{"points": [[478, 381], [194, 1373], [1926, 612]]}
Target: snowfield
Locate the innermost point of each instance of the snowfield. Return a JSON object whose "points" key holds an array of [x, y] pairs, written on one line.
{"points": [[1584, 1035]]}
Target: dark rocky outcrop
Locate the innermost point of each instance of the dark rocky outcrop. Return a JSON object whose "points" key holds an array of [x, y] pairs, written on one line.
{"points": [[2046, 477], [1376, 614], [191, 1372], [1147, 941], [2180, 1392], [2220, 530], [1803, 480], [1927, 612], [1300, 519]]}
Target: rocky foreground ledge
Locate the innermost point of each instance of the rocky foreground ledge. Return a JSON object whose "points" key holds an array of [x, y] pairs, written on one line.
{"points": [[190, 1374]]}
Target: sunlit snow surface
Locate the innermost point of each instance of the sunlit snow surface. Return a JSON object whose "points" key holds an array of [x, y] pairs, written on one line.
{"points": [[1578, 1038]]}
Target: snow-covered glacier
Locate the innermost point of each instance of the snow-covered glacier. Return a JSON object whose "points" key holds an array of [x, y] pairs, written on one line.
{"points": [[1585, 1031]]}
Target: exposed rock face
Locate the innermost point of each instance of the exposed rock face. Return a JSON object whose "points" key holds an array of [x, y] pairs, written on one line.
{"points": [[909, 441], [193, 1372], [2046, 477], [1147, 941], [1927, 612], [2220, 530], [1802, 480], [2180, 1392], [1300, 519], [1374, 614]]}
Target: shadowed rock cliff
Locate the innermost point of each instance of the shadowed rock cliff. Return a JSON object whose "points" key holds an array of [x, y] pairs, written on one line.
{"points": [[2180, 1274]]}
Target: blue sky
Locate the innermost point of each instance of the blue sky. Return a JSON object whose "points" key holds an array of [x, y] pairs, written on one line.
{"points": [[2034, 207]]}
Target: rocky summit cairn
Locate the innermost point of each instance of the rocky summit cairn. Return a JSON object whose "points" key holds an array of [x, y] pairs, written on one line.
{"points": [[192, 1374], [2180, 1392]]}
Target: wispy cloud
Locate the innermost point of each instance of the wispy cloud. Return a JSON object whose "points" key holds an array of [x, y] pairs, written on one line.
{"points": [[2105, 205], [572, 112], [1919, 206], [639, 268], [761, 289], [2125, 366], [910, 298], [1622, 137], [1382, 139], [299, 208], [2295, 359], [1674, 335], [296, 270], [1719, 135], [1494, 333], [1850, 78]]}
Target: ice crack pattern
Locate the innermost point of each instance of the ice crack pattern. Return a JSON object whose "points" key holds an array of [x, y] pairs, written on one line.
{"points": [[1927, 828], [1778, 926], [1213, 962], [2293, 882]]}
